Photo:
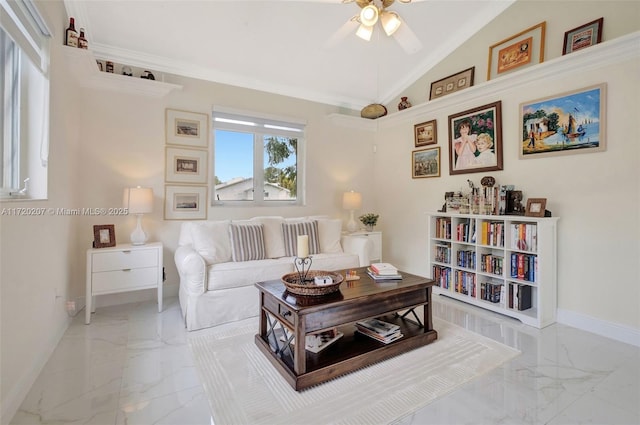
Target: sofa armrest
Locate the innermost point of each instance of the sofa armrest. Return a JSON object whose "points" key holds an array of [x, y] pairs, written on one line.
{"points": [[192, 269], [358, 245]]}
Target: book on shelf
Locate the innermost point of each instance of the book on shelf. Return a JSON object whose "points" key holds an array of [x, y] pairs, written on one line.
{"points": [[379, 277], [383, 268], [317, 341]]}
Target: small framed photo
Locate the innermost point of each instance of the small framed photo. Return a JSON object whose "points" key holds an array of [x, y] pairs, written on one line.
{"points": [[425, 163], [104, 236], [187, 128], [452, 83], [475, 140], [425, 133], [523, 49], [583, 36], [185, 202], [186, 165], [536, 207]]}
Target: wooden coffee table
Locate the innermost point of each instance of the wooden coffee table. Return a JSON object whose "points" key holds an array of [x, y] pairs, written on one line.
{"points": [[394, 301]]}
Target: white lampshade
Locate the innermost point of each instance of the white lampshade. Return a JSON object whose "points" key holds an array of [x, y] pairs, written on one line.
{"points": [[352, 200], [139, 200], [390, 22]]}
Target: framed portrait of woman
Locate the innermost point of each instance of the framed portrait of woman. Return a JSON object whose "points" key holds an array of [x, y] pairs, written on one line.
{"points": [[475, 140]]}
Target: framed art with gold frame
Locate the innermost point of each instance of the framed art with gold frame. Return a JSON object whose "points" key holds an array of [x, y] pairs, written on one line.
{"points": [[104, 235], [425, 133], [425, 163], [523, 49]]}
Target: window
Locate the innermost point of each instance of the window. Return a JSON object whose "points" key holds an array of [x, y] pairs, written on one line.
{"points": [[257, 161], [24, 91]]}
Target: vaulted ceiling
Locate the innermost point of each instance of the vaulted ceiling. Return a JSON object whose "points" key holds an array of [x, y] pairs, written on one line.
{"points": [[300, 48]]}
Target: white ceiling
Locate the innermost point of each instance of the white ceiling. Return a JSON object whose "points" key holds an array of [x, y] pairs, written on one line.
{"points": [[300, 48]]}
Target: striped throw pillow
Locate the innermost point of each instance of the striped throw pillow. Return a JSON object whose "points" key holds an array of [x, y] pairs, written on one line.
{"points": [[247, 242], [291, 232]]}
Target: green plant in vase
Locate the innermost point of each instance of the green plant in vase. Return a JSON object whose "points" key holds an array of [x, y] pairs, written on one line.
{"points": [[369, 220]]}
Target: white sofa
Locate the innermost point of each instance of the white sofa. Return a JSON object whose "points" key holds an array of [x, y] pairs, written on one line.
{"points": [[219, 261]]}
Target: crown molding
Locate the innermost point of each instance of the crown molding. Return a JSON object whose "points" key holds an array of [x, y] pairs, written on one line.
{"points": [[599, 56]]}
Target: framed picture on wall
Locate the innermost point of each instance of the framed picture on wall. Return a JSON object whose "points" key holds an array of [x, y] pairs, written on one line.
{"points": [[522, 49], [425, 133], [187, 128], [425, 163], [452, 83], [583, 36], [564, 124], [185, 202], [186, 165], [475, 140]]}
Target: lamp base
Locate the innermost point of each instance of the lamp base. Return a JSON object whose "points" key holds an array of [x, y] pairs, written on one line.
{"points": [[352, 226], [138, 236]]}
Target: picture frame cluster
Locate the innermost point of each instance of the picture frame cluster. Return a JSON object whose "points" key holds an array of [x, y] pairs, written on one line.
{"points": [[186, 165]]}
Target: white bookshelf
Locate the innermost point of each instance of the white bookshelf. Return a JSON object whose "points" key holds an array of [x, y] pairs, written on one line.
{"points": [[471, 256]]}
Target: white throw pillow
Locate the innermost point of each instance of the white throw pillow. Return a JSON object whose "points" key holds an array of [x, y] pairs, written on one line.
{"points": [[273, 238], [329, 233], [211, 241]]}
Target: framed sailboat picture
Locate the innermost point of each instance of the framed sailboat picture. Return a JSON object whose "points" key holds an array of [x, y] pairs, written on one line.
{"points": [[568, 123]]}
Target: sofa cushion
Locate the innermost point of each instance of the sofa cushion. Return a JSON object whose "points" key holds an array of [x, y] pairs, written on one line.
{"points": [[291, 231], [235, 275], [247, 242], [329, 233], [273, 239], [335, 261], [211, 240]]}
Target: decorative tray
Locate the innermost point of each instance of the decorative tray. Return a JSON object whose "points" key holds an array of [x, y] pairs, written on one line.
{"points": [[309, 288]]}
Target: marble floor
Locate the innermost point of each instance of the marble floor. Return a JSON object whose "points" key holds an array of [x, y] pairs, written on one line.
{"points": [[133, 366]]}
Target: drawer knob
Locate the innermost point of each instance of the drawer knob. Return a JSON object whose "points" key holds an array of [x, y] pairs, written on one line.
{"points": [[126, 252], [126, 270]]}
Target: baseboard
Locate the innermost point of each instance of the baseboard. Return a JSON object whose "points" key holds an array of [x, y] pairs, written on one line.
{"points": [[611, 330], [12, 401]]}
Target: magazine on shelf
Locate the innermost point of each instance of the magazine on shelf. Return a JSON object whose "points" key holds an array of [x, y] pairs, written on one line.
{"points": [[378, 326], [385, 340], [383, 269], [318, 341]]}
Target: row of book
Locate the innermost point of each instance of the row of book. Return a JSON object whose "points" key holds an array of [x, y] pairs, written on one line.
{"points": [[524, 236], [465, 283], [492, 233], [524, 266], [466, 259], [520, 296], [490, 291], [443, 228], [490, 263], [379, 330], [443, 254]]}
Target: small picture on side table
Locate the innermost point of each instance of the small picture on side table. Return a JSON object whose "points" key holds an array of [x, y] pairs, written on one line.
{"points": [[536, 207], [104, 236]]}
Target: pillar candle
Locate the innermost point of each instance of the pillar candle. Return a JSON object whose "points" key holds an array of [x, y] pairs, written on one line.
{"points": [[303, 246]]}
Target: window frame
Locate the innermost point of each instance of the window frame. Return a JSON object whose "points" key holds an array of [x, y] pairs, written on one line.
{"points": [[260, 126]]}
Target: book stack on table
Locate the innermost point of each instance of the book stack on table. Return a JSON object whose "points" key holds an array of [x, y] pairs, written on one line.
{"points": [[383, 271], [377, 329]]}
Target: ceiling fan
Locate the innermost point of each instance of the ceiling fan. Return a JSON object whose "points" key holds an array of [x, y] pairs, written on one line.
{"points": [[371, 12]]}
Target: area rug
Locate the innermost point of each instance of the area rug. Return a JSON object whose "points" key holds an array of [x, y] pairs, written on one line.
{"points": [[244, 388]]}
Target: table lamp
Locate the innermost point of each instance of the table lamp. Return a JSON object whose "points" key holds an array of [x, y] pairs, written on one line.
{"points": [[139, 201], [352, 201]]}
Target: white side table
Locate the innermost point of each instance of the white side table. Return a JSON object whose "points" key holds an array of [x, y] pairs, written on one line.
{"points": [[123, 268], [376, 239]]}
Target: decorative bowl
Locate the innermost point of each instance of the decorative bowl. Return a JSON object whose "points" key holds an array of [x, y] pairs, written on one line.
{"points": [[309, 288]]}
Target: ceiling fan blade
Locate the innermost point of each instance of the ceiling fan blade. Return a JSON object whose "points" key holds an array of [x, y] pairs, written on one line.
{"points": [[407, 39], [347, 29]]}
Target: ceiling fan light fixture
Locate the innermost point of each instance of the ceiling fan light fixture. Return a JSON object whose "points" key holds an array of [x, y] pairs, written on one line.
{"points": [[369, 15], [390, 22], [364, 32]]}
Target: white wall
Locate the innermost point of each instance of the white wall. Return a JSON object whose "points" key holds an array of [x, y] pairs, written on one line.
{"points": [[38, 253]]}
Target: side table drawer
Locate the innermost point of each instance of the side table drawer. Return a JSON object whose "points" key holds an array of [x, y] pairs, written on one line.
{"points": [[118, 260], [124, 280]]}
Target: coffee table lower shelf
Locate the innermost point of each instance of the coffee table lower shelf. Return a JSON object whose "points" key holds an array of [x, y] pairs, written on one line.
{"points": [[351, 352]]}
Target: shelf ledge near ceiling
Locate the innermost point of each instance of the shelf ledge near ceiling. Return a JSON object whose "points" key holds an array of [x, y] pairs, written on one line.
{"points": [[604, 54], [83, 66]]}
